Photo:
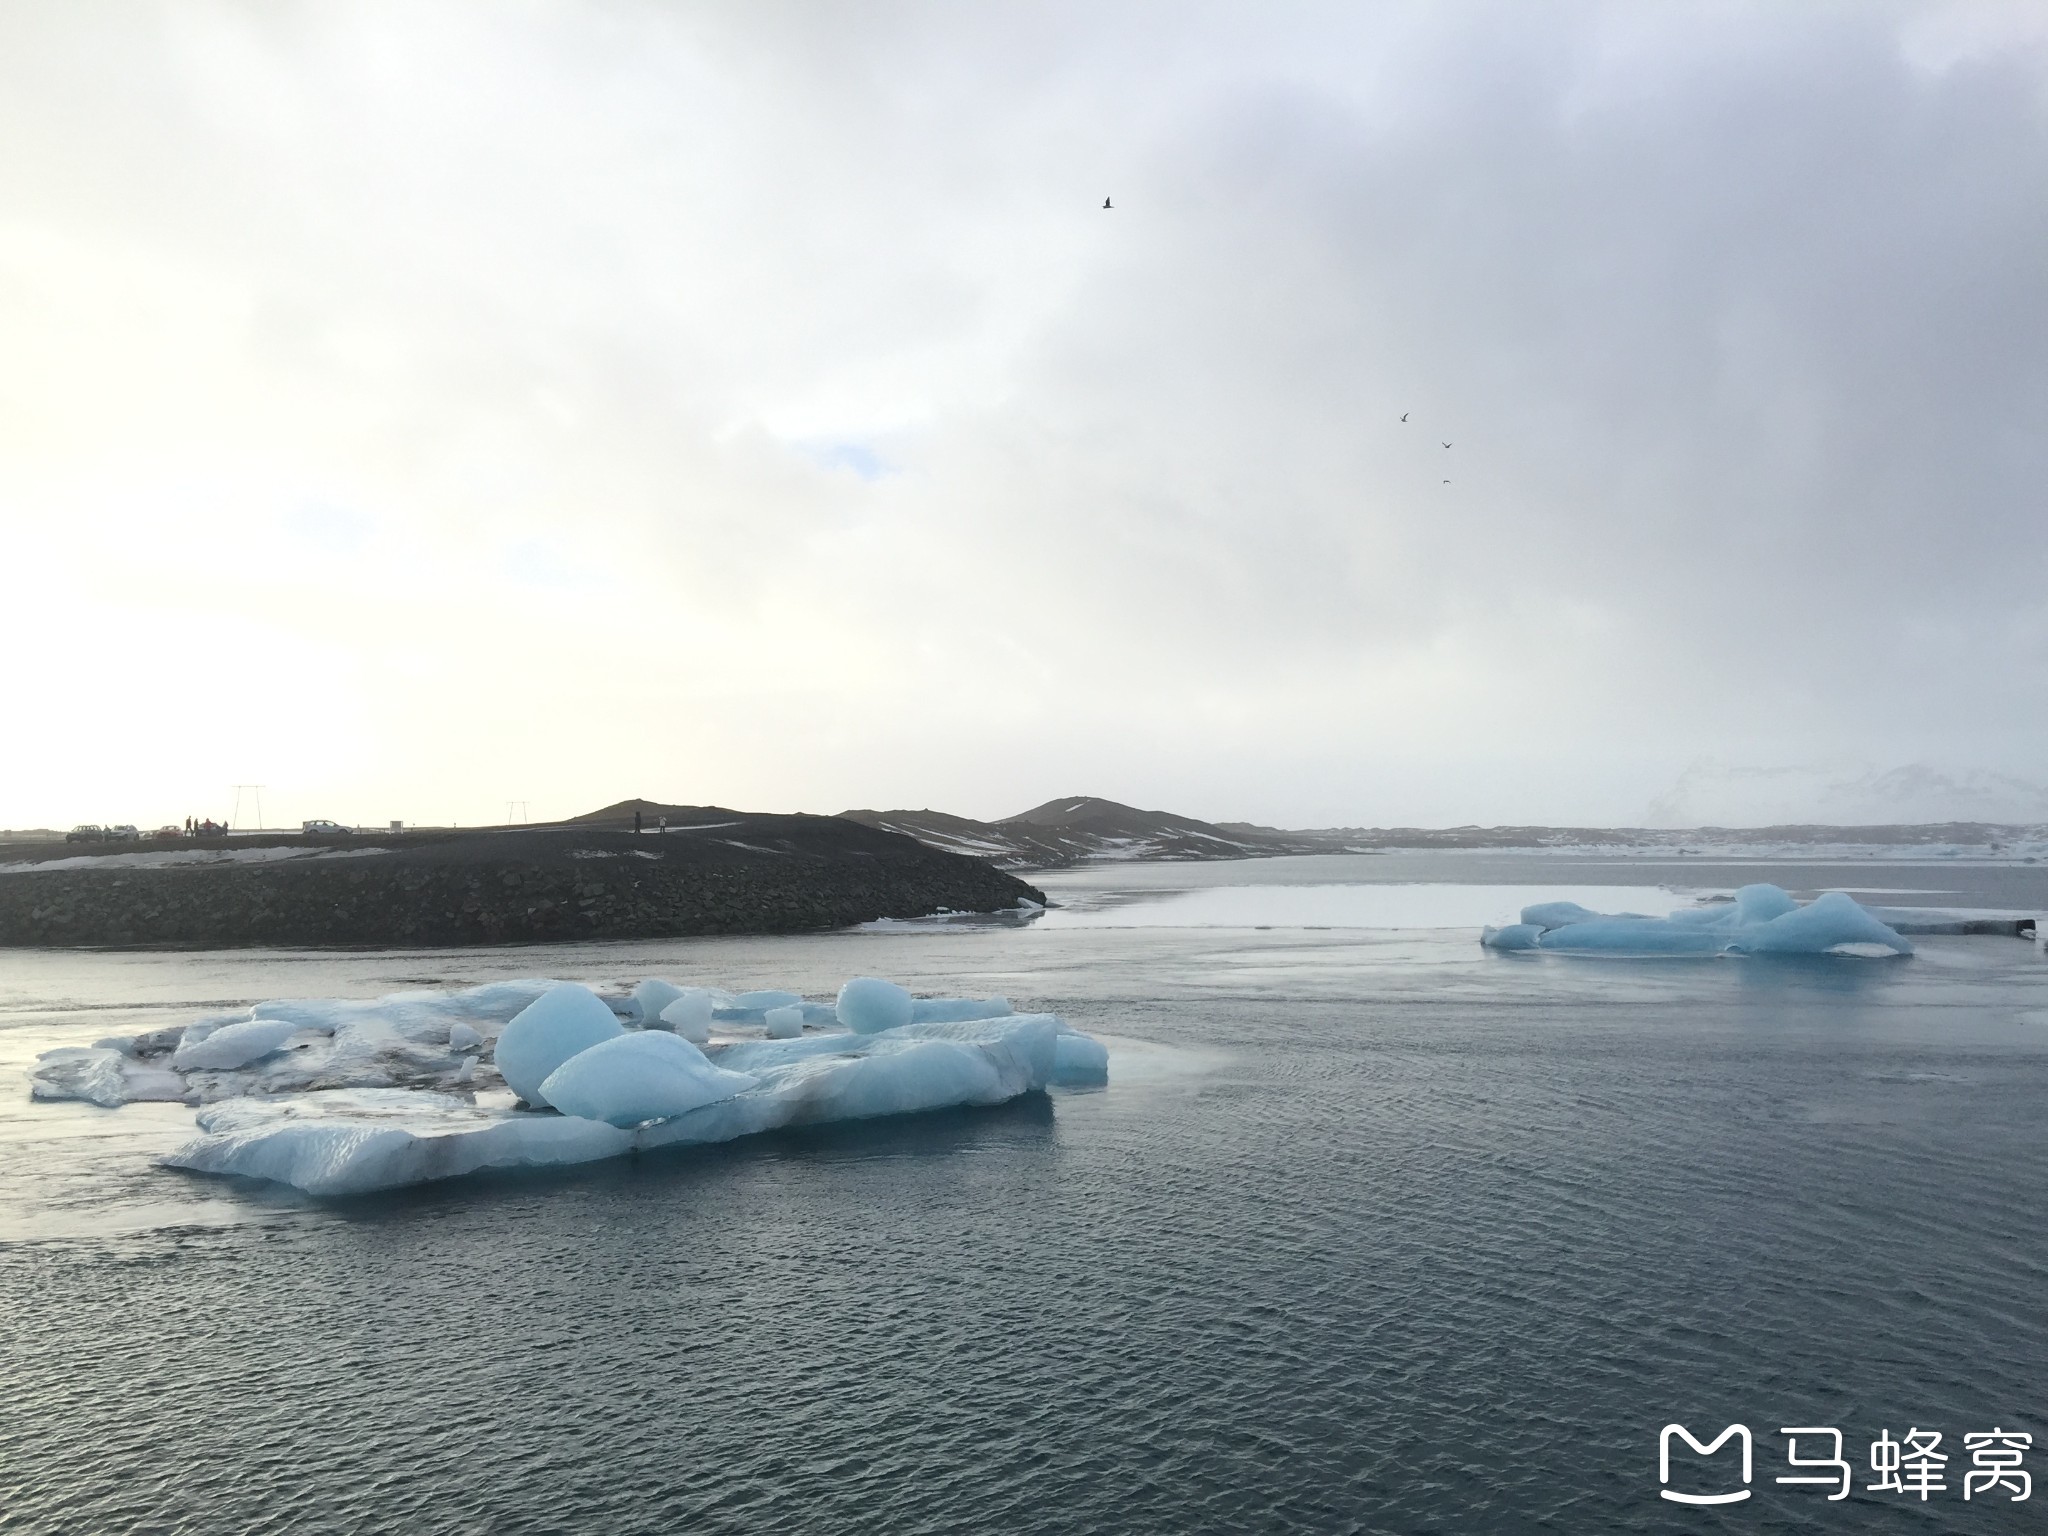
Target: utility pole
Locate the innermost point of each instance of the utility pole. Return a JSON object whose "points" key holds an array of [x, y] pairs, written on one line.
{"points": [[256, 791], [515, 812]]}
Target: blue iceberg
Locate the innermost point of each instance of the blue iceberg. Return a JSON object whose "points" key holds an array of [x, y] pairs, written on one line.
{"points": [[1761, 920], [339, 1097]]}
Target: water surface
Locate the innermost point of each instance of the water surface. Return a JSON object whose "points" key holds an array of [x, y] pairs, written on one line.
{"points": [[1371, 1231]]}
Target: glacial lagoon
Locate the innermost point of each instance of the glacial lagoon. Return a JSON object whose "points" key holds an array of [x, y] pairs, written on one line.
{"points": [[1370, 1228]]}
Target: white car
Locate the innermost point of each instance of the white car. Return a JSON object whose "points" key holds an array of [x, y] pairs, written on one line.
{"points": [[325, 829]]}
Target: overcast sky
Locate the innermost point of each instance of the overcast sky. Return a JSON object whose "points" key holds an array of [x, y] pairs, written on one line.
{"points": [[419, 407]]}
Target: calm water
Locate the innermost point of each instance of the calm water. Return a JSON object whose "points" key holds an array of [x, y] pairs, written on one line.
{"points": [[1372, 1231]]}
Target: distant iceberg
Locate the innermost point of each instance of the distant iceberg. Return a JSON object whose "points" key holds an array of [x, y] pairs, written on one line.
{"points": [[344, 1097], [1761, 920]]}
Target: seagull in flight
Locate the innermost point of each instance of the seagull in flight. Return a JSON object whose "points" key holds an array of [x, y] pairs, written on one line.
{"points": [[1447, 445], [1105, 202], [1404, 415]]}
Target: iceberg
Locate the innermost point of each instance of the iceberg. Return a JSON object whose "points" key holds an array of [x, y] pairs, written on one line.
{"points": [[653, 995], [102, 1075], [353, 1141], [957, 1010], [1079, 1058], [868, 1004], [631, 1079], [1761, 920], [553, 1027], [690, 1016], [342, 1096], [233, 1045]]}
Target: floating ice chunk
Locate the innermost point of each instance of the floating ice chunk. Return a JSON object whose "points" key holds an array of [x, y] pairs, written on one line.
{"points": [[653, 995], [1834, 921], [785, 1023], [350, 1141], [1766, 903], [553, 1027], [948, 1010], [868, 1005], [1637, 935], [76, 1072], [690, 1015], [1558, 914], [1762, 919], [1079, 1058], [233, 1045], [637, 1077], [463, 1037], [100, 1075]]}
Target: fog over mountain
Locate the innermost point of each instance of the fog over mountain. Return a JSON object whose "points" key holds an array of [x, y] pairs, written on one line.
{"points": [[420, 409], [1850, 794]]}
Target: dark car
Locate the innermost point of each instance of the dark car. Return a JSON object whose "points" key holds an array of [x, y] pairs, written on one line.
{"points": [[87, 832]]}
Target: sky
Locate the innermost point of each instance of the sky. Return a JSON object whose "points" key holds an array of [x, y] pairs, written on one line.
{"points": [[435, 411]]}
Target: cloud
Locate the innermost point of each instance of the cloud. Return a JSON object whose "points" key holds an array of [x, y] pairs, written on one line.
{"points": [[1731, 313]]}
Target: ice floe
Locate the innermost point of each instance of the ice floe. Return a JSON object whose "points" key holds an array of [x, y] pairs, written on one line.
{"points": [[1761, 920], [633, 1078], [548, 1031], [345, 1096], [868, 1004]]}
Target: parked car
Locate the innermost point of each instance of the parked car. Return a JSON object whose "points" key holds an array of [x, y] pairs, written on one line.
{"points": [[124, 833], [86, 832], [325, 829], [165, 834]]}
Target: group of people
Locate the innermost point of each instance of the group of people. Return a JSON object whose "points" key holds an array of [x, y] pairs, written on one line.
{"points": [[194, 827]]}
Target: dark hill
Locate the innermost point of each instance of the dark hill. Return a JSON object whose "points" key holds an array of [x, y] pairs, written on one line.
{"points": [[732, 873], [1083, 827]]}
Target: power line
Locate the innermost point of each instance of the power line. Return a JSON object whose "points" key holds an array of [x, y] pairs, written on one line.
{"points": [[256, 790]]}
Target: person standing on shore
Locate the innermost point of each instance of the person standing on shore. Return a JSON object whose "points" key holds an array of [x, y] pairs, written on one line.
{"points": [[636, 822]]}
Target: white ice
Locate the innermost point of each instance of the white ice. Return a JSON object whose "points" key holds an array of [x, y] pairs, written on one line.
{"points": [[233, 1045], [690, 1015], [652, 996], [637, 1077], [1762, 919], [1079, 1058], [867, 1005], [955, 1010], [353, 1141], [556, 1025], [337, 1096]]}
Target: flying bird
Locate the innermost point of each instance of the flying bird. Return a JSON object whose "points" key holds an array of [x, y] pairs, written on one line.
{"points": [[1105, 202], [1404, 415], [1447, 482], [1447, 445]]}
